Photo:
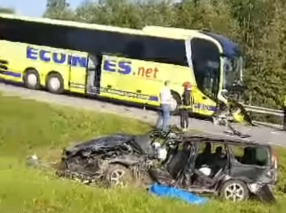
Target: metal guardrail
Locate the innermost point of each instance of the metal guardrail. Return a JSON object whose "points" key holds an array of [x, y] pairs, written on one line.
{"points": [[264, 110]]}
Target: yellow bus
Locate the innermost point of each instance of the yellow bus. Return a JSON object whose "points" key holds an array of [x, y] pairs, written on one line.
{"points": [[118, 63]]}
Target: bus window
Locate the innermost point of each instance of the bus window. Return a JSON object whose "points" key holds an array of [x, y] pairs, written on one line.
{"points": [[94, 41], [145, 48], [232, 71], [165, 50], [206, 63]]}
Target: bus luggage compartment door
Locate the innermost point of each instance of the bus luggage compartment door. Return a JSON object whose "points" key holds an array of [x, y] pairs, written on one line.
{"points": [[203, 105], [136, 82], [77, 73], [109, 76]]}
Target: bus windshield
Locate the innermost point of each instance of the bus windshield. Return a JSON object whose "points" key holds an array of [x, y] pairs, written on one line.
{"points": [[232, 72], [206, 63]]}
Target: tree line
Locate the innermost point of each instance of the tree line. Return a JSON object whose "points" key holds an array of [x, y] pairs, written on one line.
{"points": [[259, 26]]}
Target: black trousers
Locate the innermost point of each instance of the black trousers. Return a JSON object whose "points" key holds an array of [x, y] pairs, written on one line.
{"points": [[184, 118]]}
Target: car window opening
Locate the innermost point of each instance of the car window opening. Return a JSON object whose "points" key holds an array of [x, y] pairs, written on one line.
{"points": [[212, 156], [257, 156]]}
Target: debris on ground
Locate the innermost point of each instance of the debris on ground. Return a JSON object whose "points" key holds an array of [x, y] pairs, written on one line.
{"points": [[33, 161]]}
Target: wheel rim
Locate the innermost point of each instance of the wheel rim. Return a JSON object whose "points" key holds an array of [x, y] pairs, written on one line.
{"points": [[234, 192], [116, 178], [54, 83], [32, 79], [215, 121], [174, 104]]}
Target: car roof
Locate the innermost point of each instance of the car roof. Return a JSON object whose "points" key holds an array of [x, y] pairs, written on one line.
{"points": [[217, 138]]}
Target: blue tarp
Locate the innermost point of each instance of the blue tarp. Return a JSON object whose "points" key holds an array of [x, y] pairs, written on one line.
{"points": [[165, 191]]}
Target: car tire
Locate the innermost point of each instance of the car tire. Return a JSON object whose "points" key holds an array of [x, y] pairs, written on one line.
{"points": [[118, 176], [234, 190], [31, 79], [55, 83]]}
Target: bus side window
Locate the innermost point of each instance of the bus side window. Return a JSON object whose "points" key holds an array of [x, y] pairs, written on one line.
{"points": [[135, 49]]}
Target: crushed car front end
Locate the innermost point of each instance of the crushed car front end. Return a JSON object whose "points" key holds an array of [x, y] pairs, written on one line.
{"points": [[101, 159], [89, 161]]}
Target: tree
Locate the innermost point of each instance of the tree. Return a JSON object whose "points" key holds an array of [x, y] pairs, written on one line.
{"points": [[124, 13], [58, 9], [6, 10]]}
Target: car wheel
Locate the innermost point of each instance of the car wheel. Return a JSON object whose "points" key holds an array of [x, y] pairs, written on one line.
{"points": [[234, 190], [55, 83], [31, 79], [118, 176]]}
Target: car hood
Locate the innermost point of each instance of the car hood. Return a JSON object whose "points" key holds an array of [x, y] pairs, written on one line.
{"points": [[105, 143]]}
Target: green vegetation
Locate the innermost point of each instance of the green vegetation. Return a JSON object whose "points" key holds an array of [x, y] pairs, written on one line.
{"points": [[28, 127], [6, 10]]}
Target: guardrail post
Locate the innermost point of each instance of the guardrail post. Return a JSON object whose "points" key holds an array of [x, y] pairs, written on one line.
{"points": [[284, 118]]}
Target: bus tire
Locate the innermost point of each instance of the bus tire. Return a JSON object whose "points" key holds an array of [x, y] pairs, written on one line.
{"points": [[176, 103], [31, 79], [55, 83]]}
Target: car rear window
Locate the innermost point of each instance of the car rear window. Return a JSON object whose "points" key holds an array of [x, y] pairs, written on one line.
{"points": [[250, 155]]}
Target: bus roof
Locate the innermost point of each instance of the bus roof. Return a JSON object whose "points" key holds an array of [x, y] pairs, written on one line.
{"points": [[229, 47], [72, 24], [92, 26], [171, 30]]}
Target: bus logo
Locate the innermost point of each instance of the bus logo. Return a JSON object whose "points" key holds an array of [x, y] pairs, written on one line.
{"points": [[56, 57], [125, 67]]}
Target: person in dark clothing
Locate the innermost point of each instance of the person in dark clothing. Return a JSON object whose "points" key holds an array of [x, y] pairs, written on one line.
{"points": [[204, 157], [187, 102]]}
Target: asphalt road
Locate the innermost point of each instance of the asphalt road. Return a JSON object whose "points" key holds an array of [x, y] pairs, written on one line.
{"points": [[259, 133]]}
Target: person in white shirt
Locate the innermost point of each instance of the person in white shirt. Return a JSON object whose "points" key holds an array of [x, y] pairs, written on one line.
{"points": [[165, 103]]}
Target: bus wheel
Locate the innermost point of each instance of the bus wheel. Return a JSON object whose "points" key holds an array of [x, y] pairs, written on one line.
{"points": [[31, 79], [55, 83], [176, 102]]}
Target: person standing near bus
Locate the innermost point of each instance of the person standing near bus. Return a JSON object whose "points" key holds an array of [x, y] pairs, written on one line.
{"points": [[165, 104], [187, 103]]}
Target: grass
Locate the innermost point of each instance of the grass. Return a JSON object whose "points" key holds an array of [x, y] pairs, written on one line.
{"points": [[28, 127]]}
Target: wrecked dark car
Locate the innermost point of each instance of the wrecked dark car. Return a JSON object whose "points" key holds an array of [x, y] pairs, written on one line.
{"points": [[116, 159], [231, 168]]}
